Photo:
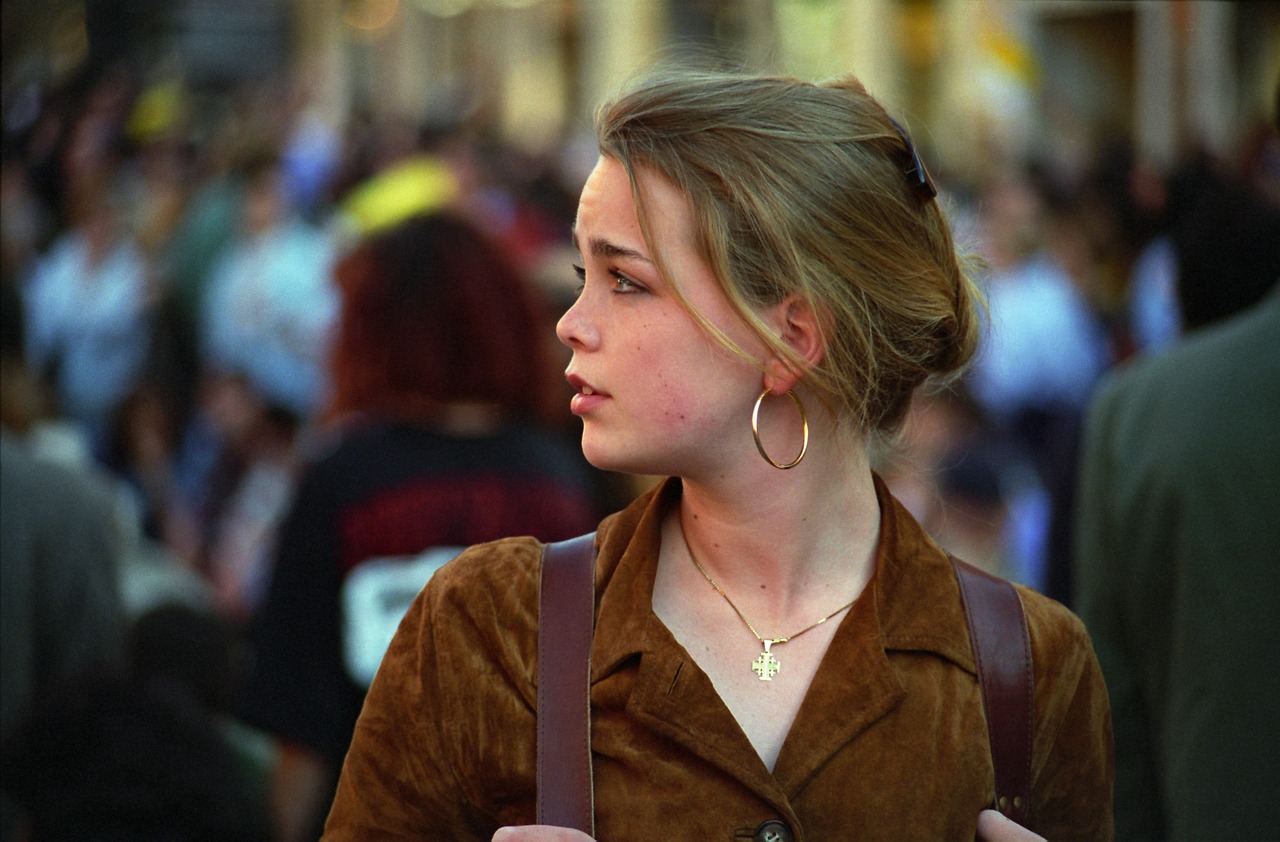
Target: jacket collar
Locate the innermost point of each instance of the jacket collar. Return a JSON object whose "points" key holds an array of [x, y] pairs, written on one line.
{"points": [[916, 598]]}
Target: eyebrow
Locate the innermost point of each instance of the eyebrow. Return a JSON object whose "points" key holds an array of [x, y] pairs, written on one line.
{"points": [[605, 249]]}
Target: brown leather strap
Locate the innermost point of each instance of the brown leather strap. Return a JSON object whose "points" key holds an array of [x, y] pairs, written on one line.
{"points": [[1002, 649], [566, 609]]}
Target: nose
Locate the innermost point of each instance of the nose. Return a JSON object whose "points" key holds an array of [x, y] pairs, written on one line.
{"points": [[576, 327]]}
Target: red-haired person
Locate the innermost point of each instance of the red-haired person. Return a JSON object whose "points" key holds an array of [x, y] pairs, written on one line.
{"points": [[439, 441]]}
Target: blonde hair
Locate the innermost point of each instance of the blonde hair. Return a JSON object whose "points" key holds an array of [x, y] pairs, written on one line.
{"points": [[801, 188]]}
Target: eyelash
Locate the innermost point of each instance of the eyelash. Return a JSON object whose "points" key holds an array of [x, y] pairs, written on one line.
{"points": [[619, 279]]}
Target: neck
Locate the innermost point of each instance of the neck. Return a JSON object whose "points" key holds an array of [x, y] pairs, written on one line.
{"points": [[777, 541]]}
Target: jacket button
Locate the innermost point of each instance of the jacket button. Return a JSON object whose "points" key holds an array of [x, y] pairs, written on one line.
{"points": [[773, 830]]}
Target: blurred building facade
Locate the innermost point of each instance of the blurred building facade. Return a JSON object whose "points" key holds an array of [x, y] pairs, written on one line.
{"points": [[968, 74]]}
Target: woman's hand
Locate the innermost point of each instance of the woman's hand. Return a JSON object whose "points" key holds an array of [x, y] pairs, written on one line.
{"points": [[540, 833], [992, 827]]}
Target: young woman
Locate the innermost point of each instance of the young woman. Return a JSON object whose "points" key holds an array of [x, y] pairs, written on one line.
{"points": [[779, 648]]}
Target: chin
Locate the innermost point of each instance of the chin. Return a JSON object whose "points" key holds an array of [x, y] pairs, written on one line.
{"points": [[610, 456]]}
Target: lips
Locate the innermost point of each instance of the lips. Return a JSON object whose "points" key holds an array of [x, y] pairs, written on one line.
{"points": [[588, 397]]}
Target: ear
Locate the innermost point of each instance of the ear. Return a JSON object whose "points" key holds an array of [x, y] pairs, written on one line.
{"points": [[801, 329]]}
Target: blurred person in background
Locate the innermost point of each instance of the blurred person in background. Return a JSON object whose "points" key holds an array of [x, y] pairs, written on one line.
{"points": [[1151, 299], [146, 751], [1202, 207], [1045, 350], [1226, 241], [89, 313], [25, 221], [437, 440], [112, 758], [1178, 532], [245, 493], [1046, 345], [60, 546], [265, 327], [970, 485], [270, 304], [396, 168], [520, 200], [80, 139]]}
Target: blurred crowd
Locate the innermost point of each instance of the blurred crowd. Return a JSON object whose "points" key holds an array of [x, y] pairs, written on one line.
{"points": [[197, 288], [234, 336], [175, 257]]}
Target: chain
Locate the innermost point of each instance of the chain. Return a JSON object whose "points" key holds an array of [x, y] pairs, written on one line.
{"points": [[741, 616]]}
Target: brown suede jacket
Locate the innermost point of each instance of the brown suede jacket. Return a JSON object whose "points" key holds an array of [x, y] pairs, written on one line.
{"points": [[890, 742]]}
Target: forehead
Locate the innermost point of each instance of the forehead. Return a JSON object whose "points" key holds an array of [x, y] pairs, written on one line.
{"points": [[608, 207]]}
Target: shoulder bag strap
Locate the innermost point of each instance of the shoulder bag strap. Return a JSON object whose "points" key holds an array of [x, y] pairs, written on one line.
{"points": [[1002, 650], [566, 608]]}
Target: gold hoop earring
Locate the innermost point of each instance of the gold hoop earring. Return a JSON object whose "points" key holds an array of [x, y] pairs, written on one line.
{"points": [[755, 431]]}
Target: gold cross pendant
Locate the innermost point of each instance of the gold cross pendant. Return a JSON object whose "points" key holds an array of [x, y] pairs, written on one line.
{"points": [[766, 665]]}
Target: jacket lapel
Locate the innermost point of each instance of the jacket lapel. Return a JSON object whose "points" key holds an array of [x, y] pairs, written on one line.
{"points": [[910, 604]]}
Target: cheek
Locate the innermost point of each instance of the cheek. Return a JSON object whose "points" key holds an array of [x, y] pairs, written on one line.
{"points": [[656, 392], [692, 401], [672, 407], [682, 385]]}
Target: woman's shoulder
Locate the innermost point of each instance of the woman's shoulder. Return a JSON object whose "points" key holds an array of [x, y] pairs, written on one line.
{"points": [[1071, 741], [1064, 664], [1051, 625], [506, 567], [484, 602], [506, 572]]}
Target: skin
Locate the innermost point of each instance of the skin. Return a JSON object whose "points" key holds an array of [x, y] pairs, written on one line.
{"points": [[657, 395], [992, 827], [995, 827], [672, 395]]}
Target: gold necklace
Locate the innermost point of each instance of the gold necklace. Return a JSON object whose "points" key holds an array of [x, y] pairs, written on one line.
{"points": [[766, 665]]}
